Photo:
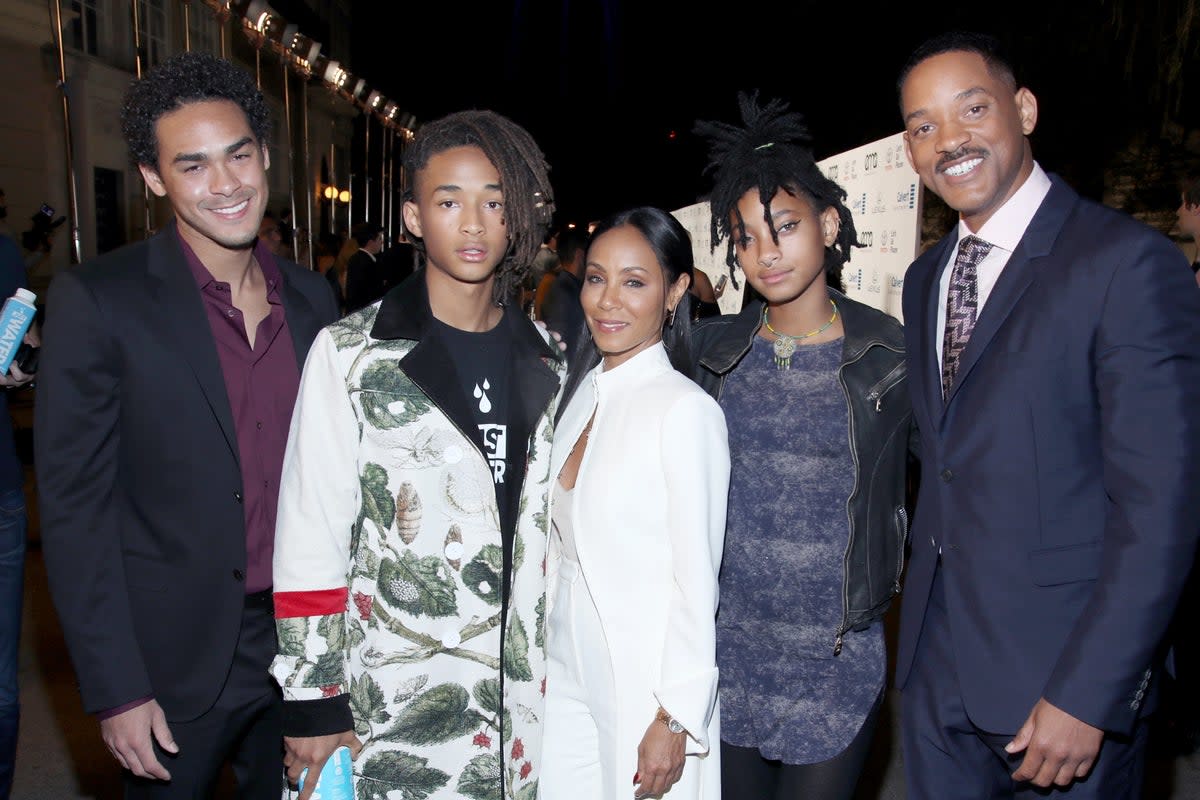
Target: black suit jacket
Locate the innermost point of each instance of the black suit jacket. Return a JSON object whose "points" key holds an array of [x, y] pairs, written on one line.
{"points": [[364, 281], [138, 477]]}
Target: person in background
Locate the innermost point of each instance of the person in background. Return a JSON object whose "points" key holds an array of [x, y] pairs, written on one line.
{"points": [[1053, 350], [643, 468], [166, 385], [364, 274], [812, 385], [560, 308], [269, 235], [1188, 215], [705, 296], [13, 522], [337, 274]]}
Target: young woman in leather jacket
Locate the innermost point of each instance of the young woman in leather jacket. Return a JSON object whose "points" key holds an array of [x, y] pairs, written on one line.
{"points": [[813, 388]]}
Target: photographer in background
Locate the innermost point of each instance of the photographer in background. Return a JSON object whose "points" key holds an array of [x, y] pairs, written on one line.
{"points": [[38, 242], [12, 526]]}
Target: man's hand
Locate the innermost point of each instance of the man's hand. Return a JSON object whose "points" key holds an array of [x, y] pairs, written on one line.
{"points": [[660, 761], [15, 378], [555, 335], [128, 737], [1058, 747], [312, 752]]}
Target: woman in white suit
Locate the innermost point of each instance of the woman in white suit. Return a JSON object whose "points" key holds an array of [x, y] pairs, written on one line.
{"points": [[639, 518]]}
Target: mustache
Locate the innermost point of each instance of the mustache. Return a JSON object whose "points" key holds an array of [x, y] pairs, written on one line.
{"points": [[961, 153]]}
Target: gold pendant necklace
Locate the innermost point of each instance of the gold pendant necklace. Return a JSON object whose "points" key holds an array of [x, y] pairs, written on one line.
{"points": [[785, 344]]}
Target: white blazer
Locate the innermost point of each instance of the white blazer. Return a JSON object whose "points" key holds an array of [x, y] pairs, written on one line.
{"points": [[648, 513]]}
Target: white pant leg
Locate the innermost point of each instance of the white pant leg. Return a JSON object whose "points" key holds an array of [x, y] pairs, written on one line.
{"points": [[579, 733]]}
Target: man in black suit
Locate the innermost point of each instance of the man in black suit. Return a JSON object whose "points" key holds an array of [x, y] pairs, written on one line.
{"points": [[364, 274], [167, 380]]}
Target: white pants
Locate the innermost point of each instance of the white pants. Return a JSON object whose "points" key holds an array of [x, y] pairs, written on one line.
{"points": [[580, 726]]}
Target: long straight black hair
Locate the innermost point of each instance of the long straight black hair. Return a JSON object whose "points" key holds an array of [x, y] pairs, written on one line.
{"points": [[673, 249]]}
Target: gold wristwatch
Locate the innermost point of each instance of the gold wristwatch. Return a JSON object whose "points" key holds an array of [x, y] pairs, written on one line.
{"points": [[672, 724]]}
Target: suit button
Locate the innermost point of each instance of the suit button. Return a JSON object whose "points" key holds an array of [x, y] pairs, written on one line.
{"points": [[947, 476], [237, 496], [238, 575]]}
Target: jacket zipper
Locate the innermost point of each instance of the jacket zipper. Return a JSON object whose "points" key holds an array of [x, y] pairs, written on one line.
{"points": [[902, 518], [877, 397], [889, 382]]}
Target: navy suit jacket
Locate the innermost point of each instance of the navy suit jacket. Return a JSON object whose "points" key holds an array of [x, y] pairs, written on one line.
{"points": [[143, 528], [1061, 476]]}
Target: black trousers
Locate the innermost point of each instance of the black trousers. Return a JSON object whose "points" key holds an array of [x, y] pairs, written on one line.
{"points": [[746, 775], [245, 726]]}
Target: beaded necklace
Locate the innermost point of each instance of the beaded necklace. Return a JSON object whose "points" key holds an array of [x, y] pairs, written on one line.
{"points": [[785, 344]]}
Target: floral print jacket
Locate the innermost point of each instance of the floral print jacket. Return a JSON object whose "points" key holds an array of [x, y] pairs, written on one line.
{"points": [[389, 556]]}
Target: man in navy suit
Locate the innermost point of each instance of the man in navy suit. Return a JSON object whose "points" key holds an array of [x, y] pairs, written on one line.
{"points": [[1054, 362]]}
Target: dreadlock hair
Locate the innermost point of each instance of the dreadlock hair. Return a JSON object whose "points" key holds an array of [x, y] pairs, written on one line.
{"points": [[524, 179], [180, 80], [768, 154], [672, 248]]}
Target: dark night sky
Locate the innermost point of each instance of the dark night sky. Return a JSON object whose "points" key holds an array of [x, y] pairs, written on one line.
{"points": [[603, 84]]}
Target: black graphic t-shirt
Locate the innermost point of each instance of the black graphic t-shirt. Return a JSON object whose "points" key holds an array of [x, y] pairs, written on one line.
{"points": [[484, 365]]}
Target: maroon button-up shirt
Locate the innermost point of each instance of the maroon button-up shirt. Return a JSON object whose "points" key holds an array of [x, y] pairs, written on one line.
{"points": [[262, 382]]}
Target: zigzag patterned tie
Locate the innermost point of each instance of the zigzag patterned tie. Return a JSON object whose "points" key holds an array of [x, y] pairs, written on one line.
{"points": [[962, 305]]}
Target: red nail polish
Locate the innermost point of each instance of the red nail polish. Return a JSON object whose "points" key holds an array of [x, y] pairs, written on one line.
{"points": [[636, 775]]}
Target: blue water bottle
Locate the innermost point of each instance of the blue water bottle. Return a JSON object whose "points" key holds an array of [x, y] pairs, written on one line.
{"points": [[335, 781], [15, 319]]}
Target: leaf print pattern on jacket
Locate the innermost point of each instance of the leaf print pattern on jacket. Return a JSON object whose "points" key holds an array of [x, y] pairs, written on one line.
{"points": [[385, 501]]}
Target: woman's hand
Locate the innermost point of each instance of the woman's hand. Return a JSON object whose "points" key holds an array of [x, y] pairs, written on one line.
{"points": [[660, 760]]}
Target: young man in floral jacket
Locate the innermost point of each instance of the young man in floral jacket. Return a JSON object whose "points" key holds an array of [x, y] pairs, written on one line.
{"points": [[414, 508]]}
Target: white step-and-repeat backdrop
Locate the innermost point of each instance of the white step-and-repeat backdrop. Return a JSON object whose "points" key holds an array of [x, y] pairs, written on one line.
{"points": [[883, 193]]}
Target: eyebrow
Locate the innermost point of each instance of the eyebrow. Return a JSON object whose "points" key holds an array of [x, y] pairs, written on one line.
{"points": [[451, 187], [230, 150], [630, 268], [958, 98]]}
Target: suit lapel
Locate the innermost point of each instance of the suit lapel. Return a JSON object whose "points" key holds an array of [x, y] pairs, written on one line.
{"points": [[928, 380], [431, 366], [301, 319], [533, 384], [183, 321], [1016, 277]]}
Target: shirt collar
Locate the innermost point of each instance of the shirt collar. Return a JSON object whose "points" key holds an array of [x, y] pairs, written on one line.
{"points": [[266, 262], [1006, 227]]}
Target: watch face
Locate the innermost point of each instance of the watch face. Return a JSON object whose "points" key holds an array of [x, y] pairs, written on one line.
{"points": [[674, 727]]}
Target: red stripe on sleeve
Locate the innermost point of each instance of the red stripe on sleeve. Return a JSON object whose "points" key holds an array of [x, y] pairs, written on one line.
{"points": [[310, 604]]}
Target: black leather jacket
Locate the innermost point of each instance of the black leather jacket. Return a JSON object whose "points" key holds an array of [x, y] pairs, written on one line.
{"points": [[872, 374]]}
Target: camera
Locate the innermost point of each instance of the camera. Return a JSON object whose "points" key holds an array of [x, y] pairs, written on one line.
{"points": [[41, 235]]}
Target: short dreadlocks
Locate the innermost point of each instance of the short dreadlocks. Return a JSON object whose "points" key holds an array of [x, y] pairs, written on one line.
{"points": [[524, 179], [771, 152]]}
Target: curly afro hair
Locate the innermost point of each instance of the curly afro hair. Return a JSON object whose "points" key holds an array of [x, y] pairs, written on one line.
{"points": [[178, 81], [524, 179], [770, 152]]}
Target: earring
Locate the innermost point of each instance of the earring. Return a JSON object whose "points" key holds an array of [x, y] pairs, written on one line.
{"points": [[670, 317]]}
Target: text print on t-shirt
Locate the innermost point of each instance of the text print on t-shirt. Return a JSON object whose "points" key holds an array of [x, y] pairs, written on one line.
{"points": [[495, 436]]}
